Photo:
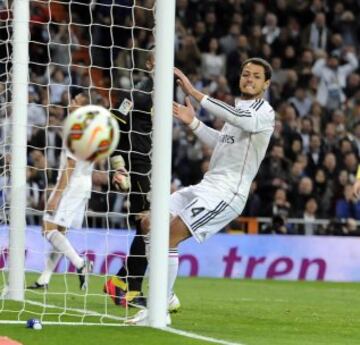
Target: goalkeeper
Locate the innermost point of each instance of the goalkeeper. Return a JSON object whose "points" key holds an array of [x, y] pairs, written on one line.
{"points": [[132, 164]]}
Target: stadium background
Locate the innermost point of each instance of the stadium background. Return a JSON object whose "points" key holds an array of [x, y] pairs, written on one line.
{"points": [[307, 172], [314, 153]]}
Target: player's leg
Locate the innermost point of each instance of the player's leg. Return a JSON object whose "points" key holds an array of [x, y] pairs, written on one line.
{"points": [[195, 214], [178, 233], [134, 269], [43, 281], [202, 217], [61, 244], [52, 260], [76, 221], [126, 286], [55, 234], [136, 261], [70, 212]]}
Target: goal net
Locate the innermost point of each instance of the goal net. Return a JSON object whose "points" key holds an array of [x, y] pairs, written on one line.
{"points": [[97, 48]]}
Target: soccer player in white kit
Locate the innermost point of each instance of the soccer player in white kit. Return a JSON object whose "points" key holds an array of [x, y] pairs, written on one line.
{"points": [[238, 149], [66, 208]]}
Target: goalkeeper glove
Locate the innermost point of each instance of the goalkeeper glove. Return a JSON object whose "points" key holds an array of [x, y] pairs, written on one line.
{"points": [[121, 178]]}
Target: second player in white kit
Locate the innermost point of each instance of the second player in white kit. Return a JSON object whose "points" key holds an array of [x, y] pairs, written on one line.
{"points": [[71, 208], [65, 208]]}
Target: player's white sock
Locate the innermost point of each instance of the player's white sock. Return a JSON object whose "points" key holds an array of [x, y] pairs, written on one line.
{"points": [[173, 264], [51, 262], [63, 245], [173, 268]]}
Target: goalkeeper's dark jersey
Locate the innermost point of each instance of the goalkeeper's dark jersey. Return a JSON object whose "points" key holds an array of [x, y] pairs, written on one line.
{"points": [[135, 141], [136, 125]]}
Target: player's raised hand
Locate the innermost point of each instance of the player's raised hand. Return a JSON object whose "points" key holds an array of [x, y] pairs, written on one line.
{"points": [[184, 82], [184, 113]]}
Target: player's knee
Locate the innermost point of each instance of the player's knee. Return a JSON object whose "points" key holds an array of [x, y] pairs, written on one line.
{"points": [[47, 227], [178, 232]]}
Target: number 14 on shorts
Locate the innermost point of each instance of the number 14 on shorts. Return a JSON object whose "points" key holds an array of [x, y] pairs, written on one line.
{"points": [[195, 211]]}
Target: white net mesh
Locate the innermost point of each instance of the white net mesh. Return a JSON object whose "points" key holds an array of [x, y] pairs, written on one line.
{"points": [[97, 48]]}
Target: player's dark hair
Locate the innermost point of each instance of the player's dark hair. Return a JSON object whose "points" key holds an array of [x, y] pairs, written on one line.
{"points": [[261, 62]]}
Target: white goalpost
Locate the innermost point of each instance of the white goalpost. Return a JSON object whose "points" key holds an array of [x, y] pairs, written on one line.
{"points": [[164, 57], [18, 138], [54, 50]]}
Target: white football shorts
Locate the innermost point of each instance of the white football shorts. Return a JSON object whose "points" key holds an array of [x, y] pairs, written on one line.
{"points": [[203, 214], [70, 211]]}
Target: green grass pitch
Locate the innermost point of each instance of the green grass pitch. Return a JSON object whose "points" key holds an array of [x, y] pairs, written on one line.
{"points": [[246, 312]]}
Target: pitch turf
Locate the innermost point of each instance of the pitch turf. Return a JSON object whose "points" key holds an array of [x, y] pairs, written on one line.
{"points": [[237, 311]]}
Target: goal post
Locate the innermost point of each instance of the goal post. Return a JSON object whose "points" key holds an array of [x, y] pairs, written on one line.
{"points": [[161, 161], [18, 149], [54, 50]]}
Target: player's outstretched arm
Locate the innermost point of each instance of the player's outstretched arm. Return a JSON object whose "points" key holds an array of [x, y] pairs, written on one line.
{"points": [[188, 88]]}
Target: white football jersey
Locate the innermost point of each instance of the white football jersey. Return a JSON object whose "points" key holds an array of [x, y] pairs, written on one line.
{"points": [[81, 177], [239, 147]]}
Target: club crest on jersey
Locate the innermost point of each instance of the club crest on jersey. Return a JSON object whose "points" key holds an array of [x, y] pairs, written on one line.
{"points": [[227, 139], [125, 106]]}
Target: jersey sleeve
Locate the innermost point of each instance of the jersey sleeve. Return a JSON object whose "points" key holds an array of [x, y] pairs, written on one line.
{"points": [[207, 135], [258, 117]]}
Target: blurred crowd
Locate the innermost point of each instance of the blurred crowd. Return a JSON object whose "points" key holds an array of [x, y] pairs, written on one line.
{"points": [[312, 45]]}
